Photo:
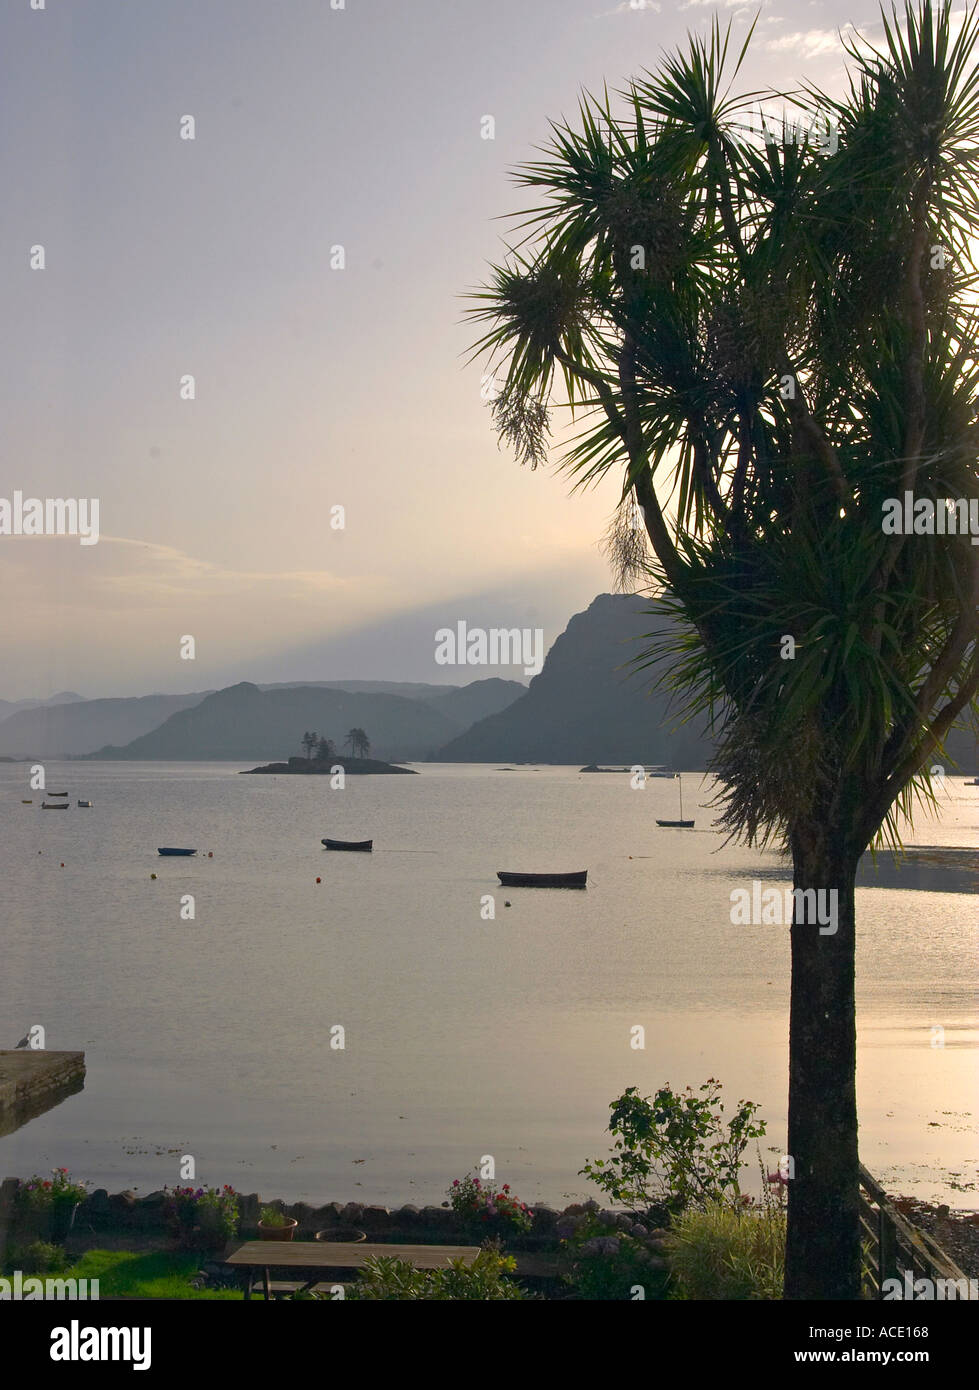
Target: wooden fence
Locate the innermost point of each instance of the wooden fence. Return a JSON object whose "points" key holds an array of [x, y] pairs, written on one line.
{"points": [[894, 1249]]}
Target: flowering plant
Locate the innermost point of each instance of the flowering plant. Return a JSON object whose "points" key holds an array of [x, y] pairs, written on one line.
{"points": [[50, 1194], [481, 1207], [202, 1218]]}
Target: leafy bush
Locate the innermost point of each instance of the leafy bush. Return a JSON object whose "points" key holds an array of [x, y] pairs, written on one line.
{"points": [[202, 1218], [675, 1149], [272, 1217], [607, 1255], [720, 1252], [486, 1211], [387, 1278], [40, 1257]]}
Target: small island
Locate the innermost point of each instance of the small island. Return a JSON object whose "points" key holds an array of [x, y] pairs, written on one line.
{"points": [[327, 760], [313, 767]]}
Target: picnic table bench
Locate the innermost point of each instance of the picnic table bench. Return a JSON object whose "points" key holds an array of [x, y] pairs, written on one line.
{"points": [[308, 1260]]}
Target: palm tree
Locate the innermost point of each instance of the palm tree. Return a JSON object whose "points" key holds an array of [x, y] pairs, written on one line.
{"points": [[767, 339]]}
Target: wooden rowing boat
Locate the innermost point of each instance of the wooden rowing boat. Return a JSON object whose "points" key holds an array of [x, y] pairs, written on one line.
{"points": [[579, 879], [363, 846], [169, 850]]}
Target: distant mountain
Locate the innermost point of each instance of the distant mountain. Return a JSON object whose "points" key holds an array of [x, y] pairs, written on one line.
{"points": [[587, 705], [64, 697], [477, 700], [411, 690], [73, 729], [245, 723]]}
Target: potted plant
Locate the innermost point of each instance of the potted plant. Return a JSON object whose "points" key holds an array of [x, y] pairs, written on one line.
{"points": [[202, 1218], [275, 1225], [47, 1205]]}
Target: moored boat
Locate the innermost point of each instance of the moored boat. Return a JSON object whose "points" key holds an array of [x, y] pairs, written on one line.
{"points": [[57, 793], [578, 879], [680, 824], [85, 803], [54, 806], [364, 846], [169, 850]]}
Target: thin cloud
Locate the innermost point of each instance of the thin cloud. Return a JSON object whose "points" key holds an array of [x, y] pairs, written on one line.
{"points": [[811, 43], [649, 6]]}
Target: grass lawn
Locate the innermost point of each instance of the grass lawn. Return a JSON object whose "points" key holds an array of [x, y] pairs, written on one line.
{"points": [[151, 1274]]}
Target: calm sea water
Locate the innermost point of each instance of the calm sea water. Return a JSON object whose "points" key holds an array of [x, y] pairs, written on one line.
{"points": [[463, 1036]]}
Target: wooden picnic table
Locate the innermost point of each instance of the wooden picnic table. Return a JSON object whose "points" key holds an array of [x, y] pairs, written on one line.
{"points": [[311, 1257]]}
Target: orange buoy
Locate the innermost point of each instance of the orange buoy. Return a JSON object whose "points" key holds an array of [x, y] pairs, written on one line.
{"points": [[319, 880]]}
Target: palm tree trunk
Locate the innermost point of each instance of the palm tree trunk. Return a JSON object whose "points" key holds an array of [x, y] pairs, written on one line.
{"points": [[822, 1257]]}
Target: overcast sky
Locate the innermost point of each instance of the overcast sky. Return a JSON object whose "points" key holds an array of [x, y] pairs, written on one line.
{"points": [[314, 387]]}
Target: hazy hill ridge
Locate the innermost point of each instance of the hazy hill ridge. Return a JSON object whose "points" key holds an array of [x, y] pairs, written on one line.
{"points": [[245, 722], [70, 730]]}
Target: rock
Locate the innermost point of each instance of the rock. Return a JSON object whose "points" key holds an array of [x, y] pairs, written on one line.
{"points": [[435, 1216], [375, 1219], [153, 1199], [352, 1213], [249, 1207], [545, 1220], [324, 1217], [576, 1209]]}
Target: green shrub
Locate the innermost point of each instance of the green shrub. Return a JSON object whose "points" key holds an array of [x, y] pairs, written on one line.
{"points": [[40, 1257], [387, 1278], [720, 1252], [675, 1148], [607, 1259], [272, 1217]]}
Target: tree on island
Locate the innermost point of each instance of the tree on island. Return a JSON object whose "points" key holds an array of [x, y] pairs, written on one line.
{"points": [[325, 749], [771, 333], [308, 742], [358, 743]]}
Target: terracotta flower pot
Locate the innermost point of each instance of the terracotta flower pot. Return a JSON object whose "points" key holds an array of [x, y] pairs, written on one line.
{"points": [[285, 1232], [342, 1235]]}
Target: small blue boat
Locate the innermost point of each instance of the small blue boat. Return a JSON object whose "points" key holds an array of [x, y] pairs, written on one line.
{"points": [[176, 851]]}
